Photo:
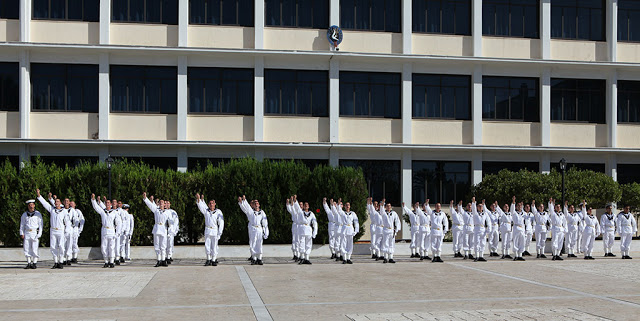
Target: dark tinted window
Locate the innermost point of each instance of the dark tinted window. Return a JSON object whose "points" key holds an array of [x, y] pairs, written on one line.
{"points": [[221, 91], [9, 9], [145, 11], [9, 88], [440, 182], [370, 94], [296, 92], [510, 98], [510, 18], [441, 96], [628, 101], [628, 173], [489, 168], [628, 20], [442, 16], [222, 12], [144, 89], [297, 13], [578, 100], [371, 15], [578, 19], [83, 10], [382, 176], [64, 87]]}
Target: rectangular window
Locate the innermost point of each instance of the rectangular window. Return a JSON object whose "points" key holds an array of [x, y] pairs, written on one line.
{"points": [[440, 182], [510, 98], [296, 92], [511, 18], [580, 100], [81, 10], [628, 101], [578, 19], [145, 11], [9, 88], [441, 96], [222, 12], [144, 89], [370, 94], [9, 9], [442, 16], [489, 168], [382, 177], [628, 20], [297, 13], [220, 91], [371, 15], [628, 173], [64, 87]]}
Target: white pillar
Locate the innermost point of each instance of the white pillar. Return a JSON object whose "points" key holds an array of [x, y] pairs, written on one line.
{"points": [[612, 166], [334, 157], [612, 30], [406, 189], [334, 12], [182, 98], [334, 100], [477, 104], [545, 107], [24, 156], [105, 21], [476, 27], [25, 93], [258, 99], [545, 163], [183, 159], [612, 109], [104, 98], [406, 27], [476, 165], [183, 22], [545, 29], [407, 102], [259, 25], [25, 20]]}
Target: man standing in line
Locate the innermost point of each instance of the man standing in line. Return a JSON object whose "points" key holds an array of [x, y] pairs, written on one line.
{"points": [[376, 228], [467, 235], [573, 225], [308, 225], [78, 226], [30, 232], [68, 230], [391, 224], [439, 227], [413, 221], [341, 237], [127, 244], [627, 227], [110, 222], [59, 221], [608, 224], [161, 218], [482, 227], [529, 220], [457, 230], [332, 229], [424, 237], [174, 228], [542, 221], [213, 227], [494, 235], [506, 232], [558, 229], [258, 230], [124, 232], [591, 231], [295, 237], [519, 229]]}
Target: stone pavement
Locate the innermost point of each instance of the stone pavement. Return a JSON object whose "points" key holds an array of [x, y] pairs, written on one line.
{"points": [[574, 289]]}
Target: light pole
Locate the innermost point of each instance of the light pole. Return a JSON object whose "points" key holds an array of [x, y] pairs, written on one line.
{"points": [[563, 167], [109, 161]]}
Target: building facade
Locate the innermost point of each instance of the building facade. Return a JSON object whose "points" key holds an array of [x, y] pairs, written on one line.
{"points": [[425, 95]]}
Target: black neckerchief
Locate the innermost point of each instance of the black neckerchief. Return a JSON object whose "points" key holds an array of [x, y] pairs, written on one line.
{"points": [[30, 214]]}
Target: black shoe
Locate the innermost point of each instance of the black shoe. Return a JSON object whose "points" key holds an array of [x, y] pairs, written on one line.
{"points": [[170, 260], [378, 258], [521, 259], [55, 266], [427, 258], [34, 265], [515, 258], [475, 260], [554, 258], [542, 256], [157, 264], [295, 258], [507, 256], [307, 262], [526, 253], [260, 262], [167, 262], [214, 263], [345, 262], [503, 257], [591, 257], [471, 257], [434, 259], [208, 263], [216, 260], [117, 262], [60, 266], [438, 259], [612, 255], [67, 262], [559, 258], [373, 256], [111, 265], [348, 262], [122, 260], [392, 261], [254, 262], [250, 258], [421, 258], [300, 262], [537, 256], [164, 263], [106, 265], [385, 261], [338, 259], [481, 259], [28, 267], [74, 260], [586, 257], [465, 257]]}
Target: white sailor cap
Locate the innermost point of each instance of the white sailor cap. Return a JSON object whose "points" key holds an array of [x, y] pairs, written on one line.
{"points": [[30, 201], [125, 206]]}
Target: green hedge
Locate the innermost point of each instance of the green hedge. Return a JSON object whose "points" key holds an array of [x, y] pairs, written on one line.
{"points": [[271, 182]]}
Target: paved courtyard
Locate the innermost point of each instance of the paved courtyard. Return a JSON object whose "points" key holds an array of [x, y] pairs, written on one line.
{"points": [[280, 290]]}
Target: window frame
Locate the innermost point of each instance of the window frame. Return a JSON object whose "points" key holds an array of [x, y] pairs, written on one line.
{"points": [[144, 89], [369, 83], [441, 76], [509, 88], [15, 72], [66, 12], [621, 91], [237, 24], [392, 174], [577, 96], [4, 8], [577, 7], [511, 4], [466, 33], [621, 8], [440, 175], [400, 20], [144, 21], [66, 79], [296, 81], [219, 71], [297, 17]]}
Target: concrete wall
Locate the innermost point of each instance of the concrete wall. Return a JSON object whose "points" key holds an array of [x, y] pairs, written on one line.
{"points": [[75, 32], [296, 39], [220, 37], [230, 128], [371, 42], [505, 47], [628, 52], [63, 125], [9, 124], [296, 129], [370, 131], [578, 135], [442, 132], [9, 30], [505, 133], [578, 50], [628, 136], [142, 127], [442, 45], [138, 34]]}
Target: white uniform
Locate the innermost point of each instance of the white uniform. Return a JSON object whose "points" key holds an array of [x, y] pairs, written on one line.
{"points": [[350, 227], [78, 225], [481, 228], [376, 230], [541, 222], [424, 233], [258, 229], [519, 230], [159, 229], [627, 227], [558, 229], [608, 224], [413, 220], [332, 229], [467, 235], [295, 236], [340, 236], [31, 228], [506, 231], [127, 246], [68, 231], [439, 227], [125, 217], [308, 229], [58, 220], [590, 232], [529, 221], [457, 230], [494, 235], [213, 227], [110, 222], [573, 226], [174, 228], [580, 232], [391, 224]]}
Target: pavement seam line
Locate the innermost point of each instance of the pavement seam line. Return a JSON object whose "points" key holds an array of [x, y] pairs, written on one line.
{"points": [[259, 309], [549, 285]]}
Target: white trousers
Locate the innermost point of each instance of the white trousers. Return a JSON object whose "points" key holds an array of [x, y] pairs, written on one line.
{"points": [[607, 241], [211, 246], [457, 240], [306, 242], [332, 238], [494, 240], [588, 239], [388, 243], [557, 238], [528, 237], [347, 249], [436, 244], [468, 242], [127, 247], [255, 236], [123, 245], [68, 246], [294, 240], [117, 245], [30, 246], [579, 243], [571, 241], [518, 243], [108, 247], [506, 241], [160, 245], [170, 239], [74, 246], [376, 240], [480, 241], [424, 241], [414, 238], [56, 243], [625, 243], [342, 242], [541, 239]]}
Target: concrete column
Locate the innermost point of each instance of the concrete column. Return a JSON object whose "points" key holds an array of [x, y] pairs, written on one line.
{"points": [[476, 166], [545, 107], [259, 153], [25, 20], [407, 96], [183, 159], [334, 100], [334, 157], [104, 99], [406, 189], [476, 27], [612, 109], [545, 29], [545, 163], [612, 30], [103, 153], [25, 93], [334, 12], [24, 156], [259, 24], [105, 21], [406, 26], [612, 166], [476, 109], [182, 98], [183, 22], [258, 99]]}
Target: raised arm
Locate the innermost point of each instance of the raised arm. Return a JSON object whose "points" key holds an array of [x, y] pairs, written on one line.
{"points": [[152, 206], [427, 208], [534, 210], [44, 203], [96, 207], [474, 207], [512, 208]]}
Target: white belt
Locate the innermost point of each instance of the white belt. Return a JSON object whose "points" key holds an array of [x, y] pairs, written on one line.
{"points": [[211, 227], [519, 225], [437, 229], [347, 224], [159, 223], [256, 226], [55, 228], [425, 225], [32, 230], [306, 224], [103, 227]]}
